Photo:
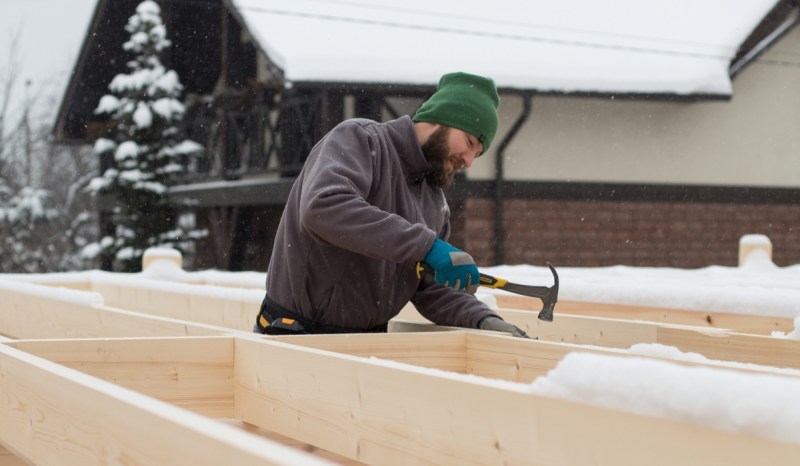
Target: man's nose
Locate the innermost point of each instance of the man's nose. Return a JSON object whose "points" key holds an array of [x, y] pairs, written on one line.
{"points": [[468, 158]]}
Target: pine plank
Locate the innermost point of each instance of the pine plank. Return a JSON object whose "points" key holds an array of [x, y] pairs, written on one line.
{"points": [[741, 323], [7, 458], [487, 354], [757, 349], [53, 415], [30, 316], [195, 373], [374, 413], [616, 333], [288, 441], [441, 350], [190, 302]]}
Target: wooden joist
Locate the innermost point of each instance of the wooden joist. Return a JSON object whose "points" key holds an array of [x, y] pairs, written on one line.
{"points": [[220, 307], [376, 413], [10, 459], [49, 317], [328, 394], [28, 312], [364, 409], [486, 354], [742, 323], [617, 333], [195, 373], [53, 415]]}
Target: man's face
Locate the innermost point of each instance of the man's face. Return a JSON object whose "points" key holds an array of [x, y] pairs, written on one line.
{"points": [[447, 151]]}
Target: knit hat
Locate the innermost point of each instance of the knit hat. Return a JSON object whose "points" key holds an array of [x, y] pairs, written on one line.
{"points": [[464, 101]]}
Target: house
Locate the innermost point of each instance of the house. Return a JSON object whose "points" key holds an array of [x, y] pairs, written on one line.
{"points": [[630, 133]]}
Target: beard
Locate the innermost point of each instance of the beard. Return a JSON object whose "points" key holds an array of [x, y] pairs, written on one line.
{"points": [[437, 152]]}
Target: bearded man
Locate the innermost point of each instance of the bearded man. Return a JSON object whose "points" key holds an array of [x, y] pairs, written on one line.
{"points": [[367, 207]]}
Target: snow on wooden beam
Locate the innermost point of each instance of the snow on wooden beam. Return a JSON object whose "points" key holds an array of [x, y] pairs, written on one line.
{"points": [[51, 414], [195, 373], [742, 323], [376, 412]]}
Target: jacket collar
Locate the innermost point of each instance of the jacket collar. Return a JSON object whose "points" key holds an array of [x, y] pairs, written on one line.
{"points": [[404, 137]]}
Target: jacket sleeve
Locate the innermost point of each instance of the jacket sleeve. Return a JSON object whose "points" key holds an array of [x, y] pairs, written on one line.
{"points": [[334, 207], [446, 306]]}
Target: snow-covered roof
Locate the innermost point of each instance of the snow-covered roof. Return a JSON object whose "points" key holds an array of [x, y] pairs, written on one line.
{"points": [[625, 46]]}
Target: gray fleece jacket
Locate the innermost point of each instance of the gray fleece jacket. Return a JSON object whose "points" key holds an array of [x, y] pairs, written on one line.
{"points": [[358, 218]]}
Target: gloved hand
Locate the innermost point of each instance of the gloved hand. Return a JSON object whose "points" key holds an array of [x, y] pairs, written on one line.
{"points": [[453, 267], [500, 325]]}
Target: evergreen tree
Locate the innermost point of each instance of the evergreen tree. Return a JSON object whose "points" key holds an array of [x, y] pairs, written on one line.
{"points": [[146, 149]]}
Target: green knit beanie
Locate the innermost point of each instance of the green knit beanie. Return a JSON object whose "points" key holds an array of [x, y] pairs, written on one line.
{"points": [[464, 101]]}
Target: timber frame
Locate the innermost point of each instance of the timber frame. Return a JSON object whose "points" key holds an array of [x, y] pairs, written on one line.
{"points": [[162, 369]]}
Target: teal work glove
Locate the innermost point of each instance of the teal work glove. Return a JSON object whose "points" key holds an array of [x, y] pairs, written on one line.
{"points": [[500, 325], [453, 267]]}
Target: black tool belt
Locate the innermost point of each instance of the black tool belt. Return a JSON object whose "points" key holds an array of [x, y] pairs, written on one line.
{"points": [[274, 319]]}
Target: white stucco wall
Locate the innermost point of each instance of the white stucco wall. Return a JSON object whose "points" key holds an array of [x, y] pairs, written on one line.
{"points": [[751, 140]]}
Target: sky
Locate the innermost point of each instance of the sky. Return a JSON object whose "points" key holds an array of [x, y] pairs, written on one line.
{"points": [[50, 35]]}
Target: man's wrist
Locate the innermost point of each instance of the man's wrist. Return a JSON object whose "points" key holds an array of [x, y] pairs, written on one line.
{"points": [[483, 319]]}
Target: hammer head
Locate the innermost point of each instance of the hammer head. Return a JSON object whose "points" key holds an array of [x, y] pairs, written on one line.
{"points": [[550, 298]]}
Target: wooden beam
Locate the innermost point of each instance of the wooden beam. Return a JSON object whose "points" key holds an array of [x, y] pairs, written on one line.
{"points": [[616, 333], [757, 349], [711, 343], [487, 354], [77, 321], [296, 444], [742, 323], [91, 421], [440, 350], [221, 307], [195, 373], [376, 413], [9, 459], [32, 312]]}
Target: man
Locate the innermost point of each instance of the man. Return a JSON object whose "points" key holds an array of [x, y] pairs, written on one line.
{"points": [[368, 207]]}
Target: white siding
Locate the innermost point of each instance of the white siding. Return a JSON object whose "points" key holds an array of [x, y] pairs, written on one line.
{"points": [[751, 140]]}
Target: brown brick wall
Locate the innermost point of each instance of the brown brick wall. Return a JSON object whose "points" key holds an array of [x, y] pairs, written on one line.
{"points": [[601, 233]]}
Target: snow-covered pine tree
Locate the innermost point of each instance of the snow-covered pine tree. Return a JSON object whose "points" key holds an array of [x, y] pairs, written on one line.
{"points": [[146, 148]]}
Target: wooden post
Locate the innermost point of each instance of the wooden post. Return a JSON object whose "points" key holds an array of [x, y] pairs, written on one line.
{"points": [[152, 255], [750, 246]]}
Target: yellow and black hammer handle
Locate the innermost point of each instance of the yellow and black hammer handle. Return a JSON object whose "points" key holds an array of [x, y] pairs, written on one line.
{"points": [[548, 295]]}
